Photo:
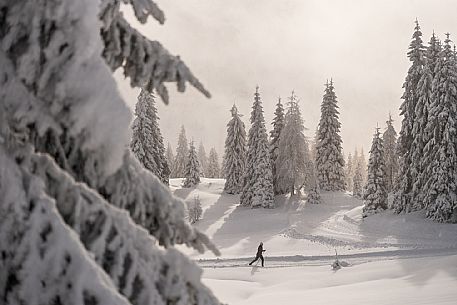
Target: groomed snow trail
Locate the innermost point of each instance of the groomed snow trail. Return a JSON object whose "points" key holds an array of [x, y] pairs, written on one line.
{"points": [[322, 260]]}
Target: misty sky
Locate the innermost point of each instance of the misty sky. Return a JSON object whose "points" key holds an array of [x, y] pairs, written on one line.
{"points": [[290, 44]]}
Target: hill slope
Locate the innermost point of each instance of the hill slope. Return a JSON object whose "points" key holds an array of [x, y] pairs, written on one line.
{"points": [[294, 228]]}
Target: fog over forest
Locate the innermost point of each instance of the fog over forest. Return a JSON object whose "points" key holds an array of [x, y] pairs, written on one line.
{"points": [[285, 45]]}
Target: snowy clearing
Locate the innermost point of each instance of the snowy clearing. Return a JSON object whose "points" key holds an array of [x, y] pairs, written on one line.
{"points": [[405, 281], [413, 258]]}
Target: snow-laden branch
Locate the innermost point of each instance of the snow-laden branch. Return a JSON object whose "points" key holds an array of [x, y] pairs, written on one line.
{"points": [[43, 260], [86, 137], [128, 254], [152, 205], [58, 97], [147, 63], [142, 9]]}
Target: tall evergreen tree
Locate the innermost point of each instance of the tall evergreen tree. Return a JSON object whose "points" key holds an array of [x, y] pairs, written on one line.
{"points": [[203, 159], [182, 154], [192, 174], [81, 220], [375, 194], [293, 161], [329, 159], [407, 175], [424, 88], [423, 129], [441, 187], [363, 166], [214, 169], [357, 181], [275, 133], [257, 181], [349, 172], [147, 140], [170, 156], [312, 146], [389, 139], [357, 177], [223, 167], [235, 153]]}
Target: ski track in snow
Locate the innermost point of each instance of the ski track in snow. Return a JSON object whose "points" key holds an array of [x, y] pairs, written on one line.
{"points": [[320, 260]]}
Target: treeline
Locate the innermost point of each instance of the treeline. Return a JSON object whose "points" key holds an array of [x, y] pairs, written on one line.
{"points": [[148, 146], [286, 162], [193, 161], [420, 171], [256, 165]]}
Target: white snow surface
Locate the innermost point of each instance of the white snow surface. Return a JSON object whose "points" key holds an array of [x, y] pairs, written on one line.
{"points": [[388, 258]]}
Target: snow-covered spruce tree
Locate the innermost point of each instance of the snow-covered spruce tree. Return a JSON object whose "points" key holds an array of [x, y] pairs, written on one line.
{"points": [[314, 195], [195, 210], [223, 168], [293, 161], [192, 175], [214, 169], [441, 186], [257, 179], [419, 160], [407, 175], [312, 147], [63, 237], [235, 153], [329, 156], [349, 172], [423, 150], [203, 159], [105, 166], [389, 139], [182, 154], [357, 180], [278, 125], [313, 190], [355, 158], [364, 166], [170, 156], [375, 194], [147, 140]]}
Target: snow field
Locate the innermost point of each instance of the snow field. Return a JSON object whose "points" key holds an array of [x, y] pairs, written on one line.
{"points": [[406, 281], [295, 228], [393, 259]]}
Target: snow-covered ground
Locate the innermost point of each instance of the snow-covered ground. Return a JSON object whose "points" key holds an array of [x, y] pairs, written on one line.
{"points": [[406, 281], [394, 259]]}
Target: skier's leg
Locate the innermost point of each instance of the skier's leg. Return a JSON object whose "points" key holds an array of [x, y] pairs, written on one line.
{"points": [[261, 257], [256, 258]]}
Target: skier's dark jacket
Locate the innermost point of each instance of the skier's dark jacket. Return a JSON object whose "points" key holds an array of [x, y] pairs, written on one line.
{"points": [[260, 250]]}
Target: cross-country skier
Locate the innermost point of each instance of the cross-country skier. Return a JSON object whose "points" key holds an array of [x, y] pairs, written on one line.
{"points": [[260, 251]]}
